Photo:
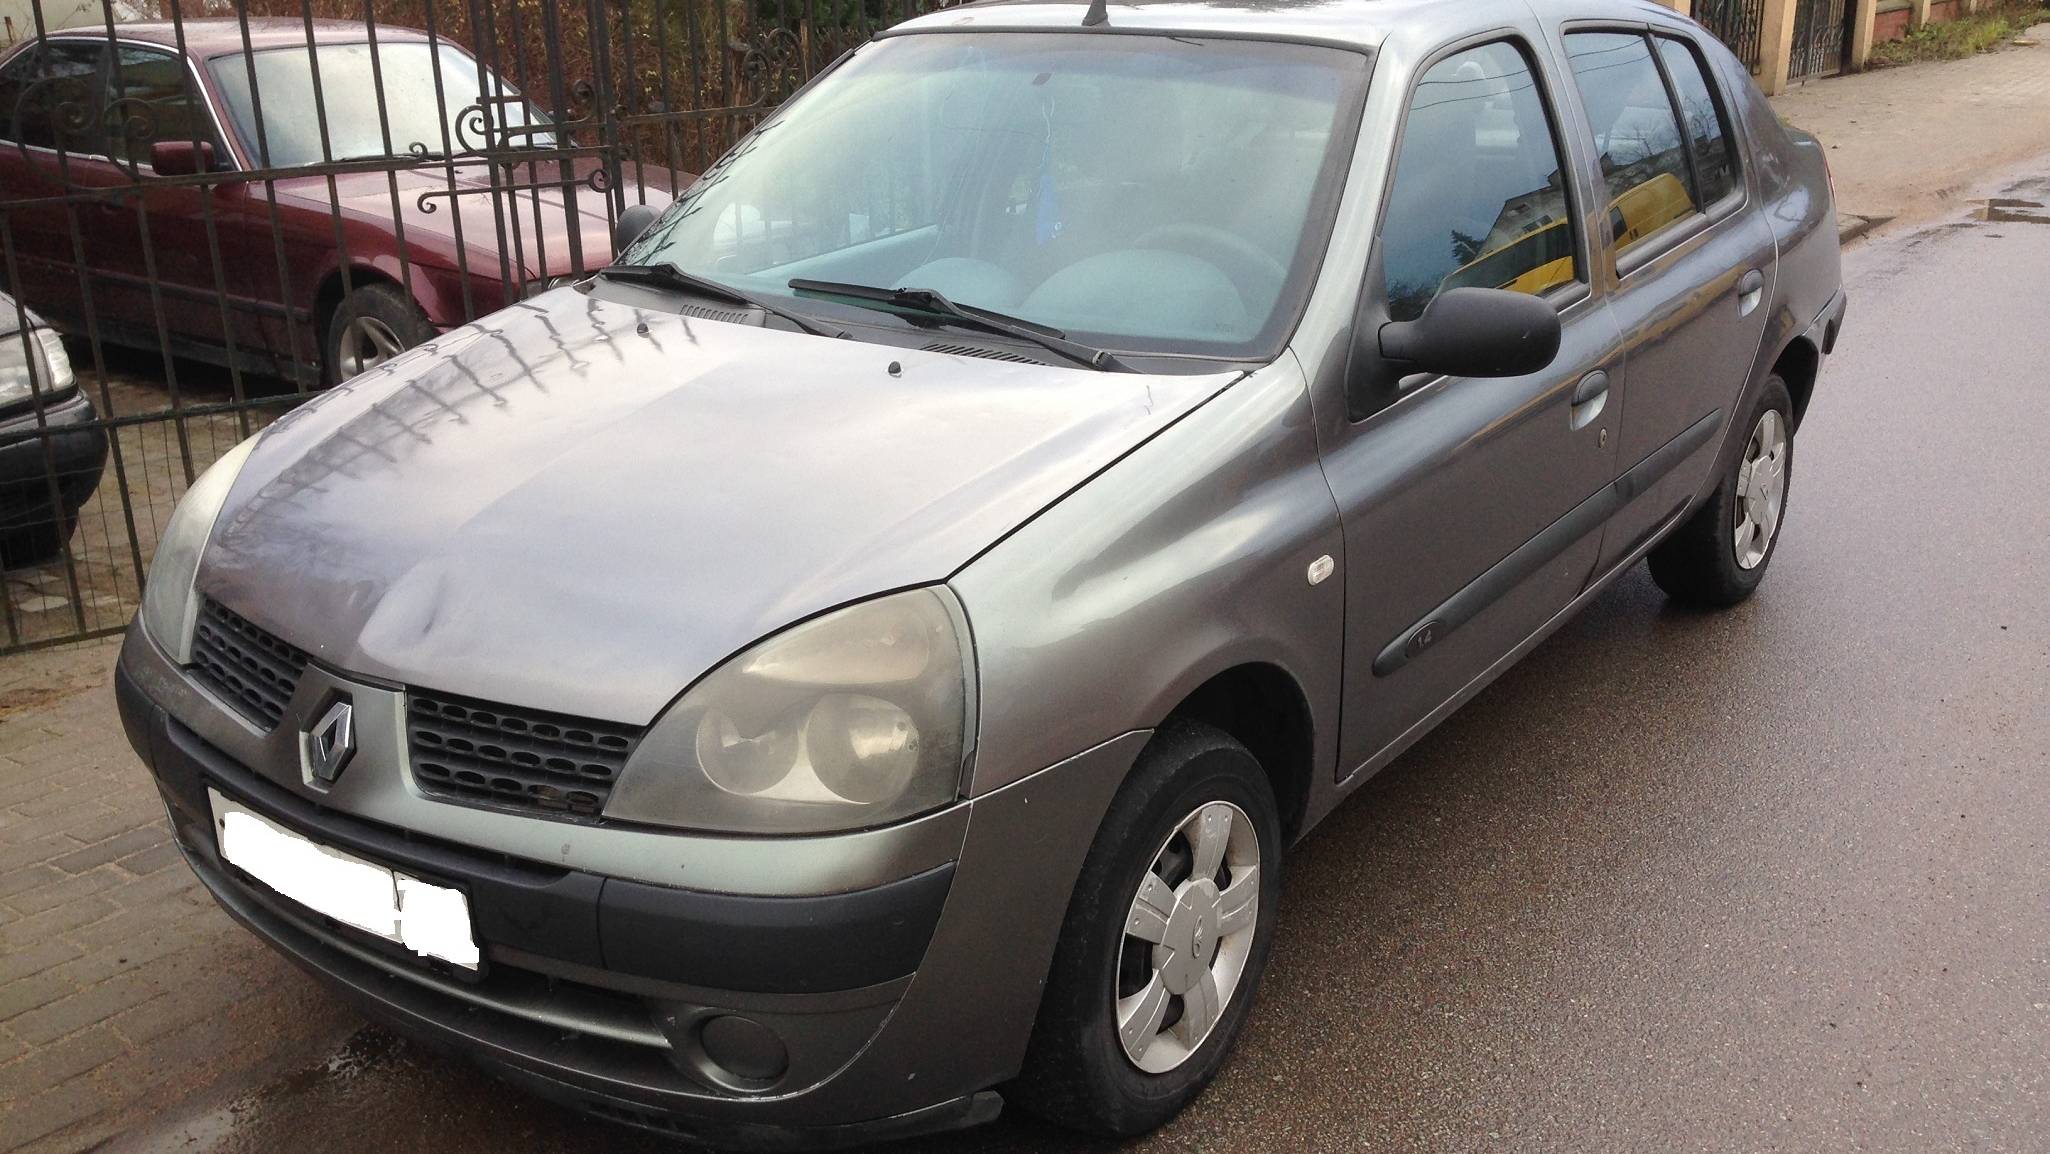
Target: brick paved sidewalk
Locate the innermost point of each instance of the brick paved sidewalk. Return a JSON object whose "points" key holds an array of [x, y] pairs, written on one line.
{"points": [[123, 988]]}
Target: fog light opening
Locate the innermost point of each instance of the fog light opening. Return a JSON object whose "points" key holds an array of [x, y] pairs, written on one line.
{"points": [[740, 1053]]}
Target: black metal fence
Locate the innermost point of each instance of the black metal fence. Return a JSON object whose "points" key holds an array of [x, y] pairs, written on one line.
{"points": [[1737, 23], [223, 206], [1821, 34]]}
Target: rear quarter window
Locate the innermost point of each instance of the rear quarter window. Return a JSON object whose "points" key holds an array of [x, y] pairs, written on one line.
{"points": [[1703, 117]]}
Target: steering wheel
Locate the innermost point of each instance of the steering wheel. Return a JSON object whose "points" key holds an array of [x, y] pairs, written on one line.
{"points": [[1247, 264]]}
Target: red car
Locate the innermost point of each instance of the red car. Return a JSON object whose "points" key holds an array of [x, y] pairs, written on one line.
{"points": [[352, 265]]}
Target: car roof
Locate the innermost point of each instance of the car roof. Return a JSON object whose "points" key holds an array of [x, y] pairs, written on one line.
{"points": [[1353, 23], [214, 36]]}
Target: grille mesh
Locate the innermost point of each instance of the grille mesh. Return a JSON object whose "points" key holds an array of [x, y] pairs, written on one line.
{"points": [[476, 752], [243, 665]]}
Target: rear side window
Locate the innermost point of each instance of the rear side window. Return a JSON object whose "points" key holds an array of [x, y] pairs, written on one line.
{"points": [[52, 97], [1480, 195], [1637, 138], [1702, 116]]}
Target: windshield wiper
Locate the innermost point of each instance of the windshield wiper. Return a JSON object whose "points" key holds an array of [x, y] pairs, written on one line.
{"points": [[671, 276], [932, 301]]}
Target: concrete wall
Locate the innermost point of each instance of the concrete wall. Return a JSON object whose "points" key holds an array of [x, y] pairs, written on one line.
{"points": [[18, 17]]}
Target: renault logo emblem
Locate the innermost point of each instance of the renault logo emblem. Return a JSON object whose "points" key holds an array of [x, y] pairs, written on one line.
{"points": [[331, 742]]}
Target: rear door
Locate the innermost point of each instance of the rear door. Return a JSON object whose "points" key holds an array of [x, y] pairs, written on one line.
{"points": [[1691, 254], [1457, 496], [52, 98]]}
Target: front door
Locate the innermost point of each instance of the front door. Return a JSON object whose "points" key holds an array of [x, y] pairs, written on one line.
{"points": [[1458, 497], [1693, 256], [180, 227]]}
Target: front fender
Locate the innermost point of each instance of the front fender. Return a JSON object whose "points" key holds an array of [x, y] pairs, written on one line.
{"points": [[1187, 557]]}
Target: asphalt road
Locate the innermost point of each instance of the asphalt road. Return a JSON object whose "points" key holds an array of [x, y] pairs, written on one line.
{"points": [[1772, 879]]}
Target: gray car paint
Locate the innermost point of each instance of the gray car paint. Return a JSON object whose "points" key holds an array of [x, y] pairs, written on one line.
{"points": [[645, 494], [1143, 536]]}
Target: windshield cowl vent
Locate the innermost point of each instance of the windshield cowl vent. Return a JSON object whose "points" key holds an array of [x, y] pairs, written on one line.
{"points": [[985, 354], [730, 316]]}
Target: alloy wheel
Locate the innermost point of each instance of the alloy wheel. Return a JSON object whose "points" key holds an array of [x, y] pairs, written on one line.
{"points": [[367, 343], [1187, 936], [1761, 489]]}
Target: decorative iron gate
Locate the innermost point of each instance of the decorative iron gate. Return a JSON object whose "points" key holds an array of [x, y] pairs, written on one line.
{"points": [[1820, 37], [1737, 23], [223, 204]]}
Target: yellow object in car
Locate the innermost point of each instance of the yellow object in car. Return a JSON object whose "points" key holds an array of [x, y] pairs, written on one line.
{"points": [[1542, 258]]}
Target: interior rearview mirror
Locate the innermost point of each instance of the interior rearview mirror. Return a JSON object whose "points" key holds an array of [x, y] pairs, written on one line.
{"points": [[632, 222], [181, 157], [1475, 332]]}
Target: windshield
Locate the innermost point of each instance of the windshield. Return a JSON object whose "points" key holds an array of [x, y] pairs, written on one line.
{"points": [[1158, 195], [291, 128]]}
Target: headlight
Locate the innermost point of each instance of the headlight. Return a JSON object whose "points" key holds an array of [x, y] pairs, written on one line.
{"points": [[853, 719], [169, 603], [41, 354]]}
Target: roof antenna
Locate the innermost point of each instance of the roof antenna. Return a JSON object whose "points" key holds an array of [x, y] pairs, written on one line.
{"points": [[1099, 13]]}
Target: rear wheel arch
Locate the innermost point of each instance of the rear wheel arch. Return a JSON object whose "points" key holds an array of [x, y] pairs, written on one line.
{"points": [[1798, 365]]}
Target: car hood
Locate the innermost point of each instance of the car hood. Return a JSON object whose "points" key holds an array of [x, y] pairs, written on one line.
{"points": [[581, 506]]}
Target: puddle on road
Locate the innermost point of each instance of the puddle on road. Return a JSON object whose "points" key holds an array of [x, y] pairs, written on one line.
{"points": [[2009, 210]]}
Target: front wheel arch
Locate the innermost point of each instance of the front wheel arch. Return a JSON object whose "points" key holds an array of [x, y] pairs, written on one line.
{"points": [[1262, 706]]}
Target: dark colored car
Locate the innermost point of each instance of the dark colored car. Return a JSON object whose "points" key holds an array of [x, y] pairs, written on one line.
{"points": [[864, 658], [51, 451], [299, 299]]}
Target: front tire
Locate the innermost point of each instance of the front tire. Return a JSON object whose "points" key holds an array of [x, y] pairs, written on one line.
{"points": [[373, 324], [1166, 937], [1718, 557], [38, 543]]}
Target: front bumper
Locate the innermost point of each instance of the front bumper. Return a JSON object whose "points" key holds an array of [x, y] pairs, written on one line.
{"points": [[896, 1002], [67, 446]]}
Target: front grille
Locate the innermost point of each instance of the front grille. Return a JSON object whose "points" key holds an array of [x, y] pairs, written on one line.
{"points": [[248, 668], [479, 753]]}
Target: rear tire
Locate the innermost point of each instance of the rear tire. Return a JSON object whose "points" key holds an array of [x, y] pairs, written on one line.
{"points": [[1719, 555], [1082, 1070], [373, 323]]}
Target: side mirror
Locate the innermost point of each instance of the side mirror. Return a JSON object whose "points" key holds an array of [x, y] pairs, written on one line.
{"points": [[1475, 332], [181, 157], [635, 220]]}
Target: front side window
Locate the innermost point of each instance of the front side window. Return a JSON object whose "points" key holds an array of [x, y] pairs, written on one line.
{"points": [[1702, 116], [348, 94], [1164, 194], [1637, 140], [154, 91], [52, 97], [1479, 197]]}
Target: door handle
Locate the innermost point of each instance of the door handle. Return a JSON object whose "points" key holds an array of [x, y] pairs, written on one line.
{"points": [[1590, 396], [1749, 289]]}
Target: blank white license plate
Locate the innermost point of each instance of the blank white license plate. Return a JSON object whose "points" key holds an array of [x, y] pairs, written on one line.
{"points": [[432, 921]]}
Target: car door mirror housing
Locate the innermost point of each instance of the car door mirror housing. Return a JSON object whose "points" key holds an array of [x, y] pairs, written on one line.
{"points": [[181, 157], [634, 220], [1475, 332]]}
